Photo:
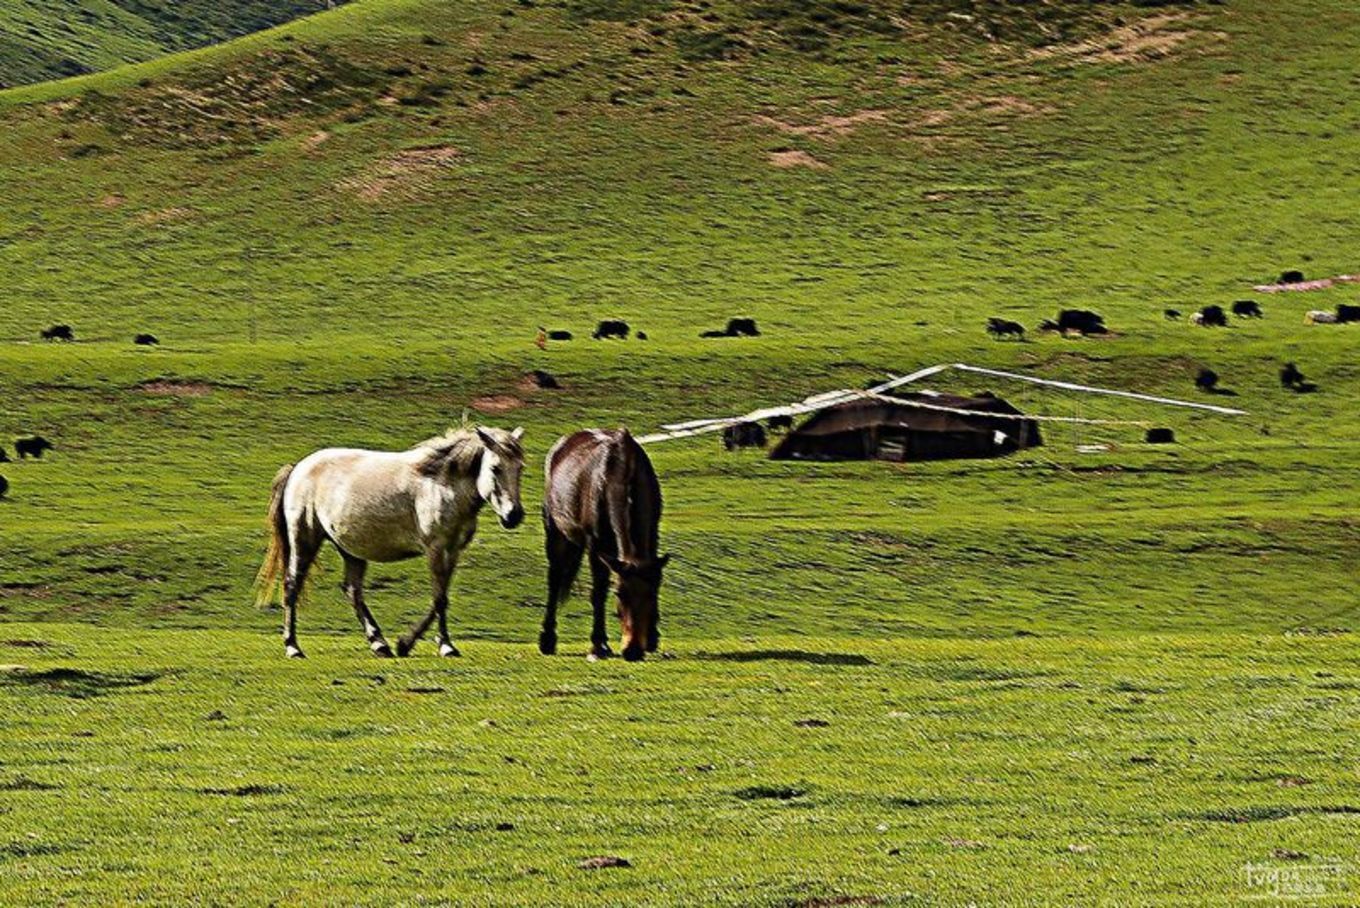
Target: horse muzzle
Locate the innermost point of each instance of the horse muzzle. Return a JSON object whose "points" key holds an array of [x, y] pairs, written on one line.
{"points": [[513, 519]]}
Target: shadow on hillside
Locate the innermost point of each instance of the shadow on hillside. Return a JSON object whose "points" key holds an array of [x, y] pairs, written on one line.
{"points": [[787, 655]]}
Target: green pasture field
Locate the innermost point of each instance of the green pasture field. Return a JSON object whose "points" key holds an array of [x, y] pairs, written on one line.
{"points": [[1061, 677]]}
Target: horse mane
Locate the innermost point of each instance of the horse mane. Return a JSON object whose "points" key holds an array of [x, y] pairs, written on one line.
{"points": [[460, 451]]}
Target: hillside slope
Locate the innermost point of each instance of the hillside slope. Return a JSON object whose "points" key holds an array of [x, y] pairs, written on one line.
{"points": [[49, 39]]}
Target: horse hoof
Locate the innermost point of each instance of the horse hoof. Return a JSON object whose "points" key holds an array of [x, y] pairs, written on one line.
{"points": [[381, 649], [448, 649], [599, 652], [547, 644], [294, 652], [404, 646]]}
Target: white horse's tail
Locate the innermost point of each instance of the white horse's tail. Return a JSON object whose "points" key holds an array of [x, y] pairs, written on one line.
{"points": [[276, 556]]}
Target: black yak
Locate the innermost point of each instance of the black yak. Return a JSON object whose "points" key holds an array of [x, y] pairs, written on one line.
{"points": [[1212, 317], [32, 447], [146, 340], [1247, 309], [611, 327], [58, 332], [544, 379], [1081, 321], [736, 327], [744, 435], [1000, 327]]}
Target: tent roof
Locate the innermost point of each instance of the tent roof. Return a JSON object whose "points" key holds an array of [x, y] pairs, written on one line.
{"points": [[881, 410]]}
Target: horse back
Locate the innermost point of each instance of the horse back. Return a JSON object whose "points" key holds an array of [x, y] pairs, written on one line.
{"points": [[601, 488]]}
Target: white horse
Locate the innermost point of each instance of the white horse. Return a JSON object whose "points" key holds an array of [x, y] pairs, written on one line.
{"points": [[388, 506]]}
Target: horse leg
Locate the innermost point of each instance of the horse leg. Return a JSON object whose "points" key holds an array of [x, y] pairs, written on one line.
{"points": [[599, 593], [354, 588], [441, 571], [654, 634], [302, 550], [564, 560]]}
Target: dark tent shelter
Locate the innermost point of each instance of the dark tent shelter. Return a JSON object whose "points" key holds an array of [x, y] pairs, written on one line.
{"points": [[891, 428]]}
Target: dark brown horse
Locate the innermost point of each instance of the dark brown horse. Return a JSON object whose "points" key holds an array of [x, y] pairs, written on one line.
{"points": [[603, 497]]}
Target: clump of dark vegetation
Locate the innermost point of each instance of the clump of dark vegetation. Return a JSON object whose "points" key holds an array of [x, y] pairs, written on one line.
{"points": [[616, 10], [24, 783], [73, 682], [769, 793], [1266, 813], [244, 791], [816, 27]]}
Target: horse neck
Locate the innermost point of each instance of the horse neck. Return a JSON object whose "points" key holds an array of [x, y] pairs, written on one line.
{"points": [[464, 489], [632, 512]]}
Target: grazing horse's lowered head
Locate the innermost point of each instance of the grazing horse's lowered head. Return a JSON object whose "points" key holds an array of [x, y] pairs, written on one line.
{"points": [[638, 589]]}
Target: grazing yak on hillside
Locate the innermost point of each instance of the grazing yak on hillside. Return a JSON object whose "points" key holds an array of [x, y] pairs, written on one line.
{"points": [[555, 335], [736, 327], [611, 327], [1210, 317], [1292, 379], [1346, 314], [545, 380], [1000, 327], [1247, 309], [146, 340], [744, 435], [33, 446], [1076, 321], [1207, 380], [58, 333], [1291, 277]]}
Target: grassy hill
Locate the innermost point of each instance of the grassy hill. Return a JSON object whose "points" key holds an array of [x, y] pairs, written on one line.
{"points": [[50, 39], [1117, 676]]}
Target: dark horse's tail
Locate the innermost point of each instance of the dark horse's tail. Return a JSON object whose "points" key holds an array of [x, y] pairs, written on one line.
{"points": [[276, 557]]}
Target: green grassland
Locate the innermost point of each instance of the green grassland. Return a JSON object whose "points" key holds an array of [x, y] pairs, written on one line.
{"points": [[1054, 678], [49, 39]]}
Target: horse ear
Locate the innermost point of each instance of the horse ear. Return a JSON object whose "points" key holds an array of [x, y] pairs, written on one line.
{"points": [[518, 433], [487, 438]]}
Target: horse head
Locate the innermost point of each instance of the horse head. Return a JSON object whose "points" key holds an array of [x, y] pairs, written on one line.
{"points": [[498, 476], [639, 584]]}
